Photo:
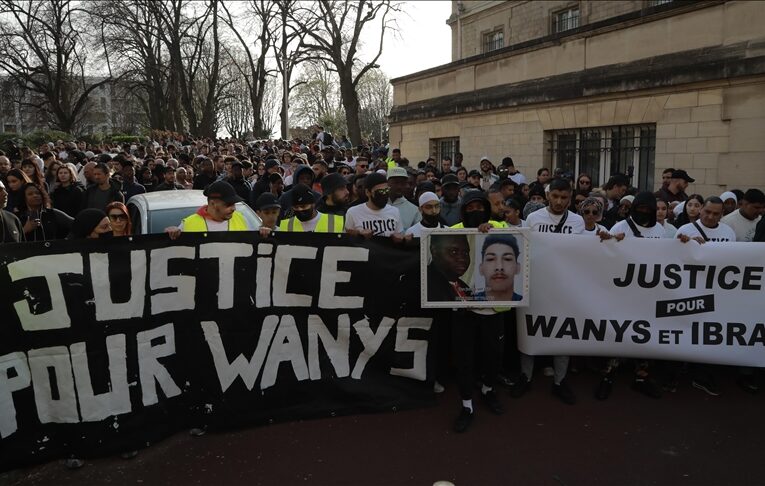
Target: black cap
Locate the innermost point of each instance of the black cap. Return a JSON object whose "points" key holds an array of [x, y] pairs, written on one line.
{"points": [[449, 179], [508, 162], [266, 201], [271, 163], [474, 172], [302, 194], [331, 182], [222, 190], [374, 179], [681, 174]]}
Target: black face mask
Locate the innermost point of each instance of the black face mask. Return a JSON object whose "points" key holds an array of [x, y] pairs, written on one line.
{"points": [[430, 220], [641, 219], [304, 215], [379, 201], [474, 219]]}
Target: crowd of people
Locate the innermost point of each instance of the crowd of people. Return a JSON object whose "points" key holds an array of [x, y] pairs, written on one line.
{"points": [[73, 190]]}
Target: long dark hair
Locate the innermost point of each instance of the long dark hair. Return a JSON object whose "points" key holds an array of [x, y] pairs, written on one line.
{"points": [[20, 175], [684, 218], [38, 178]]}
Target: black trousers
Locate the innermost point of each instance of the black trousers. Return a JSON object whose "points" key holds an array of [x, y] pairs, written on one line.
{"points": [[478, 343]]}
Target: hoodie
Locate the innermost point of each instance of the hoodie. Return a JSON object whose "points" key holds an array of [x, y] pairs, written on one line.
{"points": [[286, 198], [485, 215]]}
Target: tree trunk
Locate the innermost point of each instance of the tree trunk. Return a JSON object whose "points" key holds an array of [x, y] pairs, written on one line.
{"points": [[351, 105]]}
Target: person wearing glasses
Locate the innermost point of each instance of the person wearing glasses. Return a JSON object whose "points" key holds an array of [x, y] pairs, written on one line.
{"points": [[362, 166], [376, 217], [119, 219], [591, 210], [583, 184]]}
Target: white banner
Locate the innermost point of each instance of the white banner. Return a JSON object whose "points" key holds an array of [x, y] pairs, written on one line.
{"points": [[645, 298]]}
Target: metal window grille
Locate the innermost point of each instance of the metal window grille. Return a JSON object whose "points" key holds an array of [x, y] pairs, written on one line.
{"points": [[444, 147], [493, 41], [654, 3], [600, 152], [566, 20]]}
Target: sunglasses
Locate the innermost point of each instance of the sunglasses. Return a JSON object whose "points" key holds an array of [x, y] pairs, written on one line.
{"points": [[382, 192], [120, 216], [593, 212], [585, 183]]}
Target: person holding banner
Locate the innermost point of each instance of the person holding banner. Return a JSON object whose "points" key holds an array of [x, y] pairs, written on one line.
{"points": [[555, 218], [219, 214], [306, 218], [708, 227]]}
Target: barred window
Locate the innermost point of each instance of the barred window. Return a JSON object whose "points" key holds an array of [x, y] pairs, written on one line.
{"points": [[565, 20], [600, 152], [493, 40], [444, 147], [655, 3]]}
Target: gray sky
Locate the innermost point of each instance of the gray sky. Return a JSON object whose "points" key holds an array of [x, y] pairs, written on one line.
{"points": [[424, 40]]}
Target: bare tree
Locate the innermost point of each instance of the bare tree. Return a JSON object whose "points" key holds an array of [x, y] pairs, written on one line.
{"points": [[42, 50], [128, 31], [253, 66], [376, 101], [316, 98], [332, 29]]}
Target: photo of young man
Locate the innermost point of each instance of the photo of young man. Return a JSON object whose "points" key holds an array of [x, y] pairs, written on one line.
{"points": [[499, 266]]}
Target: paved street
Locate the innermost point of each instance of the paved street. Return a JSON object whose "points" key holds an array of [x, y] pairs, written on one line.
{"points": [[686, 438]]}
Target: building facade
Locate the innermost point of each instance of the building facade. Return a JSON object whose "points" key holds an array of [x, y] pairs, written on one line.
{"points": [[110, 109], [597, 87]]}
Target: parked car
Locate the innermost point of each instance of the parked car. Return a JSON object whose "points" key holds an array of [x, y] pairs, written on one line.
{"points": [[154, 211]]}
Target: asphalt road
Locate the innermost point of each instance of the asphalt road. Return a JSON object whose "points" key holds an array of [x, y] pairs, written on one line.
{"points": [[685, 438]]}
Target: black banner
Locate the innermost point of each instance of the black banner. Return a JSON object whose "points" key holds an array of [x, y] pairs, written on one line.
{"points": [[108, 346]]}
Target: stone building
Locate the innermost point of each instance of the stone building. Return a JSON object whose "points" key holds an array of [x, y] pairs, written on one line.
{"points": [[597, 87], [110, 109]]}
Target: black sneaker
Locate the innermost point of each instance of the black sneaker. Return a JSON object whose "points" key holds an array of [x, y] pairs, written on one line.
{"points": [[603, 390], [647, 387], [748, 383], [522, 385], [492, 401], [505, 380], [670, 386], [563, 392], [707, 386], [463, 421]]}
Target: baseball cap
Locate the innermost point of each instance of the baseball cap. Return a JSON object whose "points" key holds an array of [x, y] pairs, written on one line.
{"points": [[397, 172], [681, 174], [267, 201], [302, 194], [473, 173], [222, 190], [449, 179]]}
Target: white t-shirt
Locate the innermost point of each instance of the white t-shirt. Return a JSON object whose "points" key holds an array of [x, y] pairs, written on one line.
{"points": [[669, 230], [382, 222], [310, 225], [594, 231], [543, 221], [723, 232], [417, 230], [743, 228], [657, 231]]}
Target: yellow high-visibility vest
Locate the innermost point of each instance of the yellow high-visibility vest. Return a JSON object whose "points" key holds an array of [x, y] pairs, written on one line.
{"points": [[328, 223], [495, 224], [197, 224]]}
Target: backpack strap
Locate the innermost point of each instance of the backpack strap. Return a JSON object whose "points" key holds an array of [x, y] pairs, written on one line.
{"points": [[559, 226], [701, 231], [634, 229]]}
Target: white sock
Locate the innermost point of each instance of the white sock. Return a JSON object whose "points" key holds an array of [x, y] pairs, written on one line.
{"points": [[468, 404], [485, 389]]}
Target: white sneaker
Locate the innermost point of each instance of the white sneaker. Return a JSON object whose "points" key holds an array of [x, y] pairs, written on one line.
{"points": [[438, 387], [548, 371]]}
